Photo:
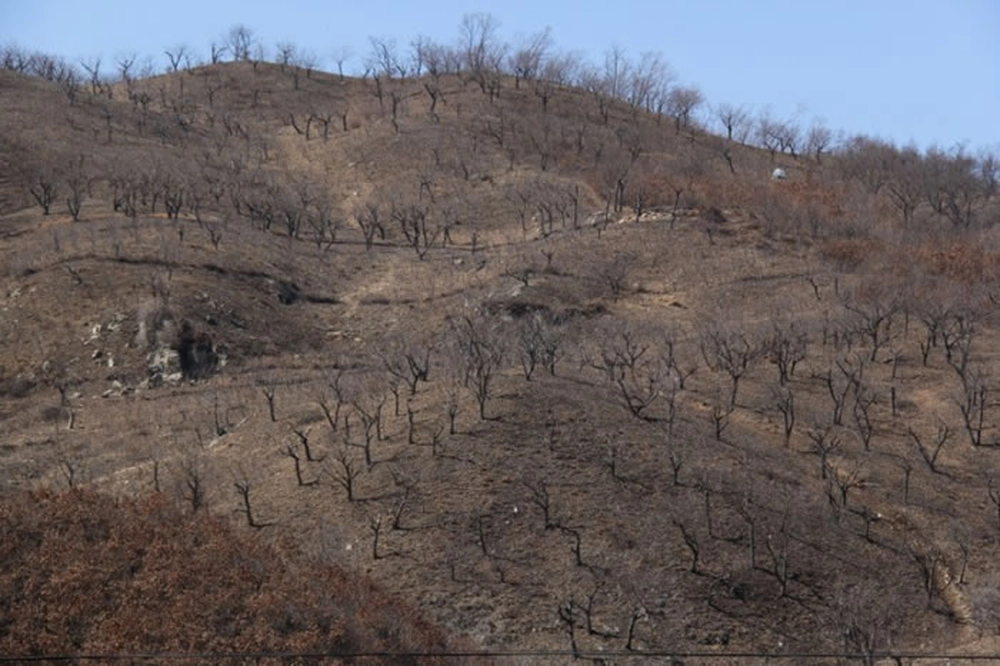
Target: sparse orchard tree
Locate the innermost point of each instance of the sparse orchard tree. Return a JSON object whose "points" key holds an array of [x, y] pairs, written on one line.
{"points": [[952, 186], [408, 361], [303, 436], [481, 49], [690, 538], [874, 307], [193, 483], [616, 272], [786, 348], [818, 141], [369, 220], [43, 186], [78, 182], [344, 471], [340, 55], [735, 120], [784, 400], [648, 82], [867, 161], [217, 50], [540, 345], [369, 412], [527, 56], [905, 183], [243, 486], [383, 60], [720, 413], [483, 351], [868, 627], [731, 352], [993, 492], [842, 379], [930, 452], [778, 544], [682, 103], [240, 43], [973, 402], [178, 55], [864, 398], [825, 442]]}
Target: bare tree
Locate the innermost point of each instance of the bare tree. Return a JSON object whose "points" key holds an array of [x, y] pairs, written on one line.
{"points": [[676, 457], [92, 66], [341, 55], [824, 442], [409, 362], [637, 373], [292, 452], [905, 184], [377, 525], [616, 273], [867, 161], [867, 627], [268, 388], [784, 400], [42, 185], [333, 401], [777, 136], [383, 60], [786, 348], [778, 546], [303, 436], [540, 345], [682, 103], [958, 334], [178, 55], [818, 140], [540, 497], [973, 403], [994, 494], [730, 352], [418, 225], [527, 56], [843, 377], [243, 487], [344, 471], [679, 372], [480, 47], [722, 410], [370, 415], [240, 42], [483, 353], [735, 120], [930, 452], [217, 51], [370, 222], [691, 541], [874, 308], [194, 484]]}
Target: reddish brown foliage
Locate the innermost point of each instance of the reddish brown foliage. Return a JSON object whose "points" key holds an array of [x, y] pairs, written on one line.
{"points": [[851, 253], [83, 572], [959, 260]]}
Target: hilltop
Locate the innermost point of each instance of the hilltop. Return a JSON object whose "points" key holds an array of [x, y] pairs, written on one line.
{"points": [[555, 364]]}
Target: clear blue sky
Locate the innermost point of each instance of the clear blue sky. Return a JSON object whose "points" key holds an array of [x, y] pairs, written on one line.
{"points": [[926, 71]]}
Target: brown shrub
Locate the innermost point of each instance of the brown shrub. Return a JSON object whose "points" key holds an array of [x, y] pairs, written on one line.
{"points": [[83, 572], [959, 260], [849, 254]]}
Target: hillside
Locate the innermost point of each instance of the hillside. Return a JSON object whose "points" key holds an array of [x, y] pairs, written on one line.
{"points": [[561, 371]]}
